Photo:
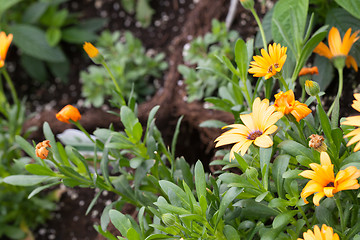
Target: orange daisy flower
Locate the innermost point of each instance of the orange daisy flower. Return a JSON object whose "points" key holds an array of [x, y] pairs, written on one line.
{"points": [[285, 103], [339, 47], [323, 182], [270, 63], [5, 42], [326, 233], [68, 112], [309, 71], [354, 121], [256, 129]]}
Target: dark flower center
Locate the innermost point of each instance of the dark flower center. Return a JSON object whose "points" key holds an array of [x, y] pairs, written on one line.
{"points": [[270, 69], [276, 65], [330, 184], [254, 135]]}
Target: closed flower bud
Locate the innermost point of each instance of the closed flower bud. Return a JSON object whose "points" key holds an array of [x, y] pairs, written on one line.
{"points": [[93, 53], [312, 88], [251, 173], [247, 4], [41, 149], [69, 112], [168, 219]]}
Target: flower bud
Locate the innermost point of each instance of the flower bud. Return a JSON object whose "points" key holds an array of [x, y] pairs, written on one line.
{"points": [[93, 53], [41, 149], [168, 219], [251, 173], [68, 112], [247, 4], [312, 88], [317, 142]]}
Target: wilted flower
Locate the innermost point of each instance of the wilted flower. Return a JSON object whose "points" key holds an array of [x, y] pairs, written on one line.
{"points": [[68, 112], [309, 71], [326, 233], [323, 182], [41, 149], [354, 121], [339, 48], [270, 63], [285, 103], [317, 142], [256, 129], [5, 42]]}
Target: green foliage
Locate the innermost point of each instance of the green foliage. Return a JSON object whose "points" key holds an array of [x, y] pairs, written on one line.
{"points": [[142, 9], [130, 65], [40, 28], [203, 52]]}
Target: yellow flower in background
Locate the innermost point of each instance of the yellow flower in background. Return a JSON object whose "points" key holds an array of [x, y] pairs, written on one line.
{"points": [[270, 63], [41, 150], [323, 182], [354, 121], [90, 50], [326, 233], [338, 47], [256, 129], [5, 42], [285, 103]]}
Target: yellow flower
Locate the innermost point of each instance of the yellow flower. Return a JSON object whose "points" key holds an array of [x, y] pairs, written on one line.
{"points": [[326, 233], [256, 129], [270, 63], [285, 103], [339, 48], [90, 50], [5, 42], [354, 121], [323, 182], [68, 112], [41, 150]]}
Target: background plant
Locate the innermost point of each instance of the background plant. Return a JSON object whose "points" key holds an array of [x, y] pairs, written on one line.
{"points": [[131, 66], [141, 8]]}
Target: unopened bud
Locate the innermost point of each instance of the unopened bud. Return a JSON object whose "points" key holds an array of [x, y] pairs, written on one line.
{"points": [[168, 219], [312, 88], [251, 173]]}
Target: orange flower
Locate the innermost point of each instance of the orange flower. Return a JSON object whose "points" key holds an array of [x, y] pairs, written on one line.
{"points": [[285, 103], [323, 182], [326, 233], [270, 63], [68, 112], [256, 129], [309, 71], [339, 48], [41, 150], [5, 42], [354, 121], [90, 50]]}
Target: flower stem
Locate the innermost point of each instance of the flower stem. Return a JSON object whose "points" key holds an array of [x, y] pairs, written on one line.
{"points": [[78, 125], [282, 80], [114, 81], [11, 86], [340, 88], [260, 28], [341, 213], [304, 216]]}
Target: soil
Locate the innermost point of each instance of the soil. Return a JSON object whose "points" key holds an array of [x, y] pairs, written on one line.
{"points": [[174, 24]]}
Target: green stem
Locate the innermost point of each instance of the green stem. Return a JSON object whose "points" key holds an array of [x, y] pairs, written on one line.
{"points": [[341, 213], [340, 88], [114, 81], [282, 80], [260, 28], [247, 95], [300, 130], [304, 216], [78, 125], [319, 101], [11, 86]]}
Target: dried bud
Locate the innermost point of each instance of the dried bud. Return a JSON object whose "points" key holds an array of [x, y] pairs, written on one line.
{"points": [[41, 149], [312, 88], [317, 142]]}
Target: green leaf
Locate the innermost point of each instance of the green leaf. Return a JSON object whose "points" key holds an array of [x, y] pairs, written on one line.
{"points": [[53, 36], [6, 4], [32, 41], [39, 189], [283, 219], [120, 221], [200, 182], [212, 124], [324, 215], [27, 147], [132, 234], [294, 148], [231, 233], [353, 7], [229, 196], [144, 12], [352, 158], [265, 157], [37, 169], [77, 35], [280, 165], [325, 122], [181, 195], [292, 174], [34, 12], [34, 67], [241, 60], [26, 180]]}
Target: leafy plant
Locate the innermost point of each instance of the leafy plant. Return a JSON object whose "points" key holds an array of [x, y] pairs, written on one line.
{"points": [[130, 65], [142, 9], [203, 52]]}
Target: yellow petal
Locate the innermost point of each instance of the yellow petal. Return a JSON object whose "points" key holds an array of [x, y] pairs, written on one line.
{"points": [[263, 141]]}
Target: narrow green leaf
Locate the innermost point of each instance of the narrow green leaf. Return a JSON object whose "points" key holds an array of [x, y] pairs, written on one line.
{"points": [[26, 180], [120, 221], [39, 189], [37, 169], [241, 55], [200, 182], [280, 165], [229, 196], [283, 219]]}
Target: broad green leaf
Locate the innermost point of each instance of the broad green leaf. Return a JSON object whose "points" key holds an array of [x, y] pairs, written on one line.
{"points": [[34, 12], [241, 60], [120, 221], [352, 158], [26, 180], [34, 67], [212, 124], [37, 169], [229, 196], [280, 165], [132, 234], [32, 41], [231, 233], [353, 7], [294, 148], [167, 186], [324, 215], [53, 36], [77, 35], [26, 146], [283, 219], [254, 210], [6, 4], [292, 174]]}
